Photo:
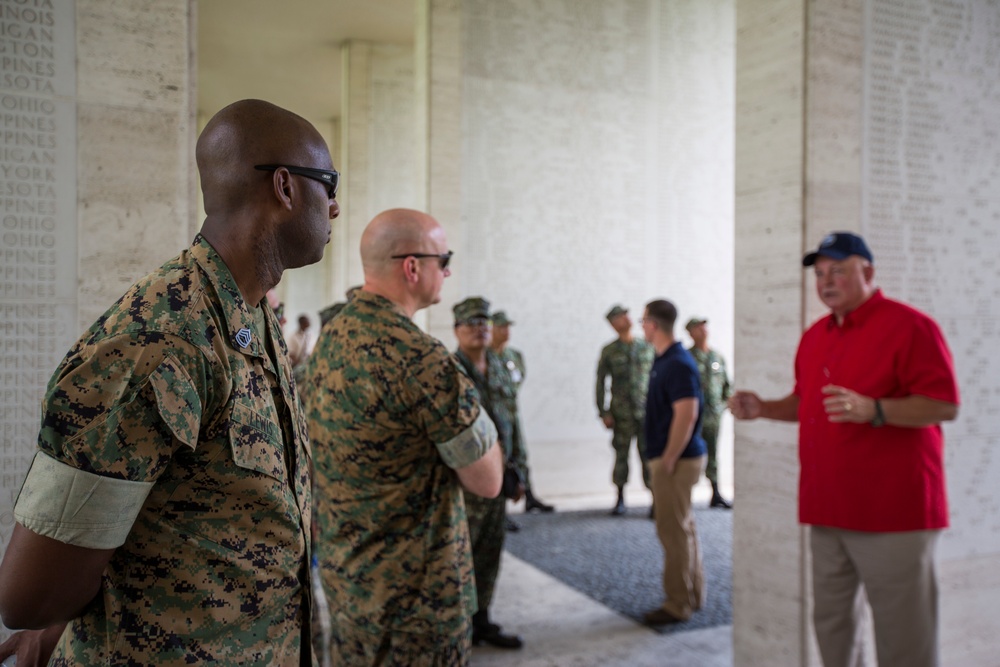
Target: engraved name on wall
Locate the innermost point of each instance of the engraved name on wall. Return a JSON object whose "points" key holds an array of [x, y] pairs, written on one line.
{"points": [[932, 214], [37, 222]]}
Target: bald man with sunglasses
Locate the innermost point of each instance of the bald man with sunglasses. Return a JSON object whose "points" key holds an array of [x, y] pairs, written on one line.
{"points": [[398, 432]]}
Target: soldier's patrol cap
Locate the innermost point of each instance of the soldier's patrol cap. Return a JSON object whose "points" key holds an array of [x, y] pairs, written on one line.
{"points": [[474, 306], [839, 245], [695, 321], [331, 311], [500, 319], [615, 311]]}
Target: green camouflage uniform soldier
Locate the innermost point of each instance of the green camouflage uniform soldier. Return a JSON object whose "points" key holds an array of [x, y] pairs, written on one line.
{"points": [[173, 458], [394, 422], [302, 371], [514, 361], [487, 516], [717, 390], [627, 361]]}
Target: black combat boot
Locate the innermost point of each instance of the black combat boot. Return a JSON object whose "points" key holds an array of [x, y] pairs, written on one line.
{"points": [[533, 503], [484, 631], [718, 500], [619, 508]]}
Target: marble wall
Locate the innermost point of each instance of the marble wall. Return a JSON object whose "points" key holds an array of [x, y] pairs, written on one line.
{"points": [[593, 166], [38, 235], [97, 182], [873, 117]]}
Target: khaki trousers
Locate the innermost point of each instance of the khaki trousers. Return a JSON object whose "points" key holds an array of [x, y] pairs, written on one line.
{"points": [[896, 571], [683, 579]]}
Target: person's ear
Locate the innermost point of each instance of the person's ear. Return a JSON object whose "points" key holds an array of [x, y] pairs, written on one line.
{"points": [[411, 270], [283, 187]]}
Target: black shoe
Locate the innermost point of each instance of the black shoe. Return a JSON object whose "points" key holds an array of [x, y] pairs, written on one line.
{"points": [[512, 527], [619, 508], [491, 635], [533, 503], [719, 501], [660, 616], [652, 514]]}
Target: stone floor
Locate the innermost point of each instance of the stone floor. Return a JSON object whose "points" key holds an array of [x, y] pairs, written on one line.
{"points": [[562, 627]]}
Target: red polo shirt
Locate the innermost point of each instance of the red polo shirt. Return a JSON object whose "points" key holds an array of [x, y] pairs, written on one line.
{"points": [[855, 476]]}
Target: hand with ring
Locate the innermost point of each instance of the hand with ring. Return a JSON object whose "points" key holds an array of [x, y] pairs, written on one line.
{"points": [[844, 405]]}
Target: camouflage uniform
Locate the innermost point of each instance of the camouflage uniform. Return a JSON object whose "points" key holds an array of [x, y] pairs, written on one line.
{"points": [[303, 370], [390, 416], [176, 413], [487, 516], [628, 365], [716, 388], [513, 362]]}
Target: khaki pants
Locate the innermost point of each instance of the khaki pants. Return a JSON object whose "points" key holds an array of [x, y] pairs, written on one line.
{"points": [[897, 573], [683, 579]]}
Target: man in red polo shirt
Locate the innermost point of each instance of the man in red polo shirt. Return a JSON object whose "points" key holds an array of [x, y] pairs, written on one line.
{"points": [[873, 382]]}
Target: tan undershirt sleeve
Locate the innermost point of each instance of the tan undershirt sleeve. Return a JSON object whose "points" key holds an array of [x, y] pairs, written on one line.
{"points": [[77, 507], [471, 444]]}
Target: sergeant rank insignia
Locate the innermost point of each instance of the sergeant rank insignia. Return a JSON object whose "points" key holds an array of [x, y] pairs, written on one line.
{"points": [[243, 337]]}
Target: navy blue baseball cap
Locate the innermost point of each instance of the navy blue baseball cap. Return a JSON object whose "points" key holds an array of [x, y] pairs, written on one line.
{"points": [[840, 245]]}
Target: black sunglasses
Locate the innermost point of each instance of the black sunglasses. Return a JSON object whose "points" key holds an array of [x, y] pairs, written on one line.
{"points": [[444, 259], [329, 178]]}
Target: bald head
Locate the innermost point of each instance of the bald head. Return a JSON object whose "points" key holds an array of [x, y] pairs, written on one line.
{"points": [[413, 281], [395, 232], [248, 133]]}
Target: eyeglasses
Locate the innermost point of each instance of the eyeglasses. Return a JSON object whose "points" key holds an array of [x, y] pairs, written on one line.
{"points": [[328, 177], [477, 322], [444, 259]]}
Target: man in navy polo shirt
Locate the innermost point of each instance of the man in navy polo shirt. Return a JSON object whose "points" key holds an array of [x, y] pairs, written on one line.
{"points": [[676, 455], [873, 382]]}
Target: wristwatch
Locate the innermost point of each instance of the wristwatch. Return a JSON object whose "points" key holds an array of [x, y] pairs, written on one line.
{"points": [[879, 418]]}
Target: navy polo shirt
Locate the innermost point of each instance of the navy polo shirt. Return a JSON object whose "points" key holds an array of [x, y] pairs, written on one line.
{"points": [[674, 376]]}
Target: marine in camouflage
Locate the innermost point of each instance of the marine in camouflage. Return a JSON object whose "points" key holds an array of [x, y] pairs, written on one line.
{"points": [[393, 540], [513, 362], [184, 387], [627, 364], [717, 390], [487, 516]]}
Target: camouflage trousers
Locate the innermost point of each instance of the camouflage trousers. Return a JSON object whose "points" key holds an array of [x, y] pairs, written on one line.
{"points": [[487, 528], [710, 433], [356, 647], [625, 430]]}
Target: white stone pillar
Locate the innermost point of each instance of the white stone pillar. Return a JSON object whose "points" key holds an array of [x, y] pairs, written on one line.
{"points": [[873, 116], [98, 182]]}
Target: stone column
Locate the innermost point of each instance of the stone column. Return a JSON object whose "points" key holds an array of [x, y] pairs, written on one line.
{"points": [[379, 146], [875, 117], [439, 138], [97, 182], [38, 232]]}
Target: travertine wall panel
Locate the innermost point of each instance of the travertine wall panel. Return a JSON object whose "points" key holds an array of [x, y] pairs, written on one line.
{"points": [[136, 125], [439, 140], [932, 171], [131, 215], [38, 182], [116, 145], [379, 146], [597, 170], [769, 565], [897, 144]]}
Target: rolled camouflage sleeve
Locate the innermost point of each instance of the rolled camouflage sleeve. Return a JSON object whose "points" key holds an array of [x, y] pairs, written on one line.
{"points": [[77, 507], [471, 444]]}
